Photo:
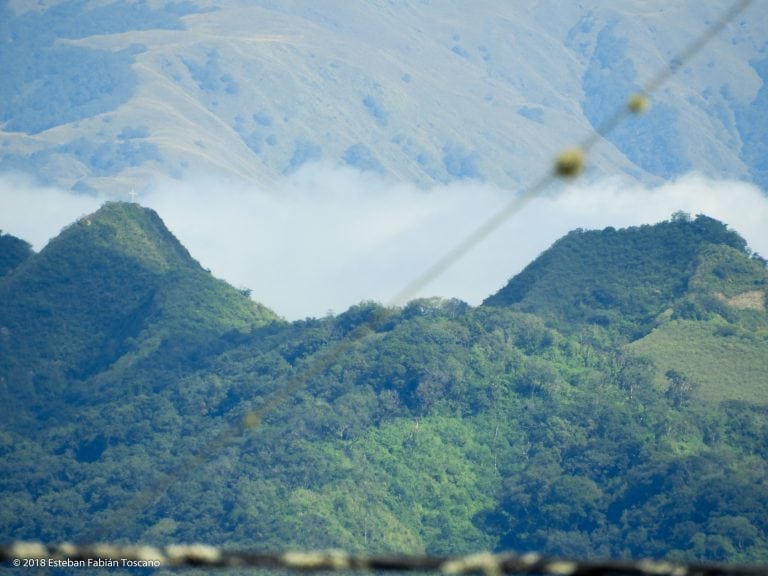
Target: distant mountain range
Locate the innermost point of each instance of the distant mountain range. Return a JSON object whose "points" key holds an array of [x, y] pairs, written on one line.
{"points": [[109, 97], [608, 401]]}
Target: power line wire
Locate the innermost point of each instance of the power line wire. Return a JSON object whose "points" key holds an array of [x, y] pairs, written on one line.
{"points": [[567, 165]]}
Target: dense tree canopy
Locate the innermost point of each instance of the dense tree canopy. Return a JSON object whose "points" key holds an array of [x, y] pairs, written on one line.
{"points": [[127, 373]]}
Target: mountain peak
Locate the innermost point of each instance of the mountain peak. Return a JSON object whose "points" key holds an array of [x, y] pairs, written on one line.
{"points": [[622, 279], [130, 230], [115, 282]]}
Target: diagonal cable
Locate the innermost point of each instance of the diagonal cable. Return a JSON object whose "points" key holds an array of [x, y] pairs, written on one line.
{"points": [[568, 164]]}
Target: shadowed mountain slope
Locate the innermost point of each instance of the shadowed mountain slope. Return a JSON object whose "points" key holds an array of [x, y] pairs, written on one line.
{"points": [[13, 251]]}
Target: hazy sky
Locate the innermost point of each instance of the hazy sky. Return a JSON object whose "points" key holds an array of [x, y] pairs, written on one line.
{"points": [[328, 237]]}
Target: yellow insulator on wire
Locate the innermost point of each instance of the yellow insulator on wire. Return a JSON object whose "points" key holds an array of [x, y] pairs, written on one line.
{"points": [[638, 103], [569, 163]]}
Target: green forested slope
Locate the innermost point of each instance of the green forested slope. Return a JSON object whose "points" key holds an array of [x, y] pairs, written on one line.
{"points": [[446, 428], [686, 293], [713, 342], [619, 279], [112, 289]]}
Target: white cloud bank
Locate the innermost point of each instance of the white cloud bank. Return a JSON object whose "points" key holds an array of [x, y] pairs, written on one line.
{"points": [[327, 237]]}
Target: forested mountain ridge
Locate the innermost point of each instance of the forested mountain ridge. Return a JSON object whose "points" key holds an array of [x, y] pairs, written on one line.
{"points": [[687, 293], [125, 370], [624, 279], [114, 287]]}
